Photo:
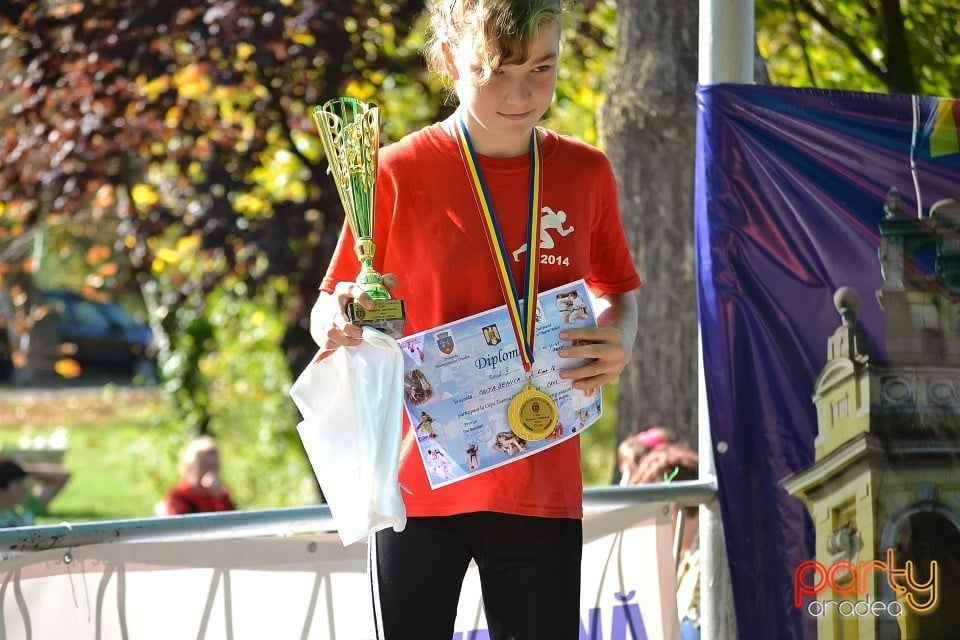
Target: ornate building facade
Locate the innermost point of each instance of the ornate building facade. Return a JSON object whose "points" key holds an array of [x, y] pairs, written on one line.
{"points": [[884, 488]]}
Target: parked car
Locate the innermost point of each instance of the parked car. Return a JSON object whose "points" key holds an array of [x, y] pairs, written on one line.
{"points": [[102, 335]]}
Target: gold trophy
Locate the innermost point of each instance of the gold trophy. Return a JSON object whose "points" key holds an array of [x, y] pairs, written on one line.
{"points": [[350, 133]]}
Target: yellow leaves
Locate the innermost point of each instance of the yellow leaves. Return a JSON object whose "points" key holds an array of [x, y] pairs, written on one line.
{"points": [[144, 195], [173, 116], [360, 90], [245, 50], [188, 244], [67, 368], [305, 38], [185, 249], [281, 285], [154, 87], [192, 81], [165, 256], [251, 205]]}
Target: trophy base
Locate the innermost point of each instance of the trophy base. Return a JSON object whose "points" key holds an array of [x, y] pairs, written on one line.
{"points": [[388, 316]]}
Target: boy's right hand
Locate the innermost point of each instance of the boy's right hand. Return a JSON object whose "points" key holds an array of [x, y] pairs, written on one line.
{"points": [[329, 325]]}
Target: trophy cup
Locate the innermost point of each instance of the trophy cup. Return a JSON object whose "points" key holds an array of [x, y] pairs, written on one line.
{"points": [[350, 133]]}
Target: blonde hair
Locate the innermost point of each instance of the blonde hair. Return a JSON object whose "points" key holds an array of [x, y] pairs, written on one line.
{"points": [[195, 448], [497, 31]]}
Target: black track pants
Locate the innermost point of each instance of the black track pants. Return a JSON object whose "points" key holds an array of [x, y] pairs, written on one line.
{"points": [[529, 574]]}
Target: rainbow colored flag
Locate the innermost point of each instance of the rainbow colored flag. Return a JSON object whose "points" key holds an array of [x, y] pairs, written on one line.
{"points": [[942, 129]]}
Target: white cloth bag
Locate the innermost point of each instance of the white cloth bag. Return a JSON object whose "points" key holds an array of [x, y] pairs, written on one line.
{"points": [[352, 403]]}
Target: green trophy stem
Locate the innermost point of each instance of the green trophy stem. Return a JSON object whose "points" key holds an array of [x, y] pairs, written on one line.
{"points": [[361, 189], [368, 278]]}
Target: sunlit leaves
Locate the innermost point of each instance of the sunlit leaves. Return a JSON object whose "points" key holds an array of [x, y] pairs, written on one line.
{"points": [[303, 38], [250, 205], [852, 44], [361, 90], [181, 131], [245, 50], [153, 87], [67, 368], [586, 58], [144, 195], [182, 255], [281, 176]]}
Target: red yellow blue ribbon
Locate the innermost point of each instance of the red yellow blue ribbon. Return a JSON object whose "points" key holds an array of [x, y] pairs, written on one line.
{"points": [[523, 316]]}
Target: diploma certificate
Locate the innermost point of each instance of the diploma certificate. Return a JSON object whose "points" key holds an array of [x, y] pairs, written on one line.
{"points": [[459, 379]]}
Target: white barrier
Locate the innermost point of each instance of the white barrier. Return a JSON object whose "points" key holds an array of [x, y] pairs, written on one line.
{"points": [[306, 587]]}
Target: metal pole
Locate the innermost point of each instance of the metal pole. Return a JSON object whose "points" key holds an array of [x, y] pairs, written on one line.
{"points": [[727, 37], [717, 619], [726, 54]]}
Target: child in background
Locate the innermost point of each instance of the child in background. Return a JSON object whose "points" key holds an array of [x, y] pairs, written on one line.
{"points": [[25, 491], [632, 450], [199, 488], [653, 456]]}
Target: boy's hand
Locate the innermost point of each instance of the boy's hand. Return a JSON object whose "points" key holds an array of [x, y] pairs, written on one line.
{"points": [[604, 346], [329, 325]]}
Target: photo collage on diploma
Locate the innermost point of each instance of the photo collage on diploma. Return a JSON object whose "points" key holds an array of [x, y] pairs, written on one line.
{"points": [[459, 379]]}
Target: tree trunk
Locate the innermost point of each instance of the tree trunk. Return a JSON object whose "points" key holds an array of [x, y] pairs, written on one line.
{"points": [[647, 127]]}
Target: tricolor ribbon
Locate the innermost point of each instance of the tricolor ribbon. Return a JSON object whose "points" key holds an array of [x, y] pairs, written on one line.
{"points": [[523, 318]]}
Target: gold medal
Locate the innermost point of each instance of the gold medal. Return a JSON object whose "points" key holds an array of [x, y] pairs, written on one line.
{"points": [[532, 414]]}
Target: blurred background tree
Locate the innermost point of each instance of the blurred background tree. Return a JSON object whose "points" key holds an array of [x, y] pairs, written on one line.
{"points": [[187, 126], [884, 46], [176, 138]]}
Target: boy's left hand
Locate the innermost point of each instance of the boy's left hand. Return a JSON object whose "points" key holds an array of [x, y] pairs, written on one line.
{"points": [[604, 345]]}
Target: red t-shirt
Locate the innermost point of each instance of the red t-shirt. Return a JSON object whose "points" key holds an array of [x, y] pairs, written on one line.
{"points": [[429, 231], [185, 499]]}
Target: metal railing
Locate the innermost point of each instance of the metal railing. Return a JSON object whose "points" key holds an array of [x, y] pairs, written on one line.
{"points": [[17, 544], [289, 521]]}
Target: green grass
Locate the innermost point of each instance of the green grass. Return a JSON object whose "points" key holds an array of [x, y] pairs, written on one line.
{"points": [[117, 458], [123, 444], [109, 480]]}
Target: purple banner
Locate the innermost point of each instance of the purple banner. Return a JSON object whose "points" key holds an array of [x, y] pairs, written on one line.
{"points": [[828, 261]]}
